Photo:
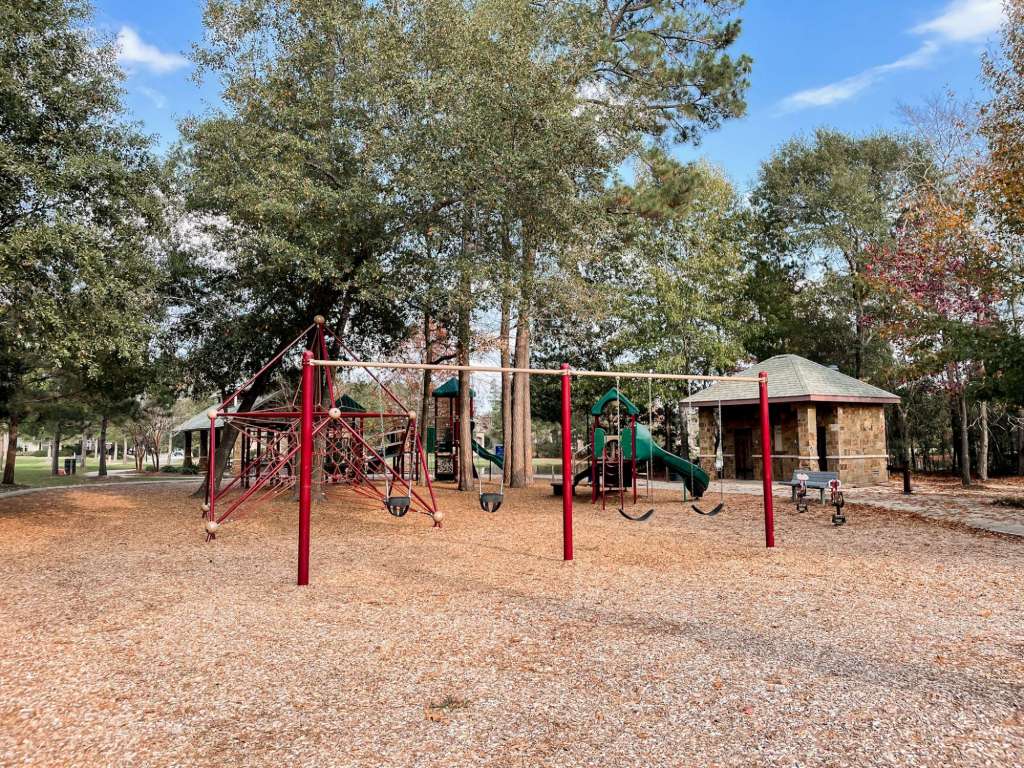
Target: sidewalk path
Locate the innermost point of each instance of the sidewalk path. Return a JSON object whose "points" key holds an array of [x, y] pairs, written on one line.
{"points": [[98, 484], [941, 499]]}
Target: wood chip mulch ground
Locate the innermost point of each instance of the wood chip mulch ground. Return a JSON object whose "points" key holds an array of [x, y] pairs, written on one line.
{"points": [[129, 641]]}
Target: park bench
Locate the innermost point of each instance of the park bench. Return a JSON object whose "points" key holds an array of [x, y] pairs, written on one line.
{"points": [[818, 480]]}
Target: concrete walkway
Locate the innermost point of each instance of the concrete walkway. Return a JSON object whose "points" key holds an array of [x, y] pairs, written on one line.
{"points": [[940, 500], [98, 484]]}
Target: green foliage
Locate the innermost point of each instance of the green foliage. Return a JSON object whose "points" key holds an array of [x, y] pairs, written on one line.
{"points": [[283, 216], [666, 296], [827, 204], [79, 211], [1003, 122]]}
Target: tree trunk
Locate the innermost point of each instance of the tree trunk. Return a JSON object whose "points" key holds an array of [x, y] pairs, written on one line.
{"points": [[55, 459], [861, 329], [983, 442], [1020, 441], [465, 458], [12, 450], [906, 452], [187, 461], [504, 339], [103, 447], [905, 447], [505, 350], [522, 428], [427, 382], [965, 442], [85, 452], [954, 434], [465, 431]]}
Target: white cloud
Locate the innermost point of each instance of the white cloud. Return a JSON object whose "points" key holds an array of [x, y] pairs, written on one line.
{"points": [[158, 99], [922, 57], [132, 49], [964, 20], [841, 90], [849, 87], [961, 21]]}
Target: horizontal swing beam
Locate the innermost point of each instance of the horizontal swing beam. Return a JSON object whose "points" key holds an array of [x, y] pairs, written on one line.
{"points": [[529, 371], [316, 414]]}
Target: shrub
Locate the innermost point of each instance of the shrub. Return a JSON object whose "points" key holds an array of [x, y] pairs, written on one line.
{"points": [[169, 468]]}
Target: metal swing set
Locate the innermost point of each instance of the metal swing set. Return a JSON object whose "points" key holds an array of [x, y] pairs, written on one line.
{"points": [[322, 435]]}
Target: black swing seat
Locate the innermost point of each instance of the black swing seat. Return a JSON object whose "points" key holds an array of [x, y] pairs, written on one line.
{"points": [[711, 512], [639, 518], [398, 505], [491, 502]]}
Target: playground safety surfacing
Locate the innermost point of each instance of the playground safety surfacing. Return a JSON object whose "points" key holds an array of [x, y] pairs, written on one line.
{"points": [[681, 641]]}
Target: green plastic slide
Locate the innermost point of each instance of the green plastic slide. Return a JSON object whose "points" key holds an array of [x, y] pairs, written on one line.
{"points": [[695, 478], [483, 453]]}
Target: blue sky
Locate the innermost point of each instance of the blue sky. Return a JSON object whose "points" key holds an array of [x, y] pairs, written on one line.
{"points": [[847, 64]]}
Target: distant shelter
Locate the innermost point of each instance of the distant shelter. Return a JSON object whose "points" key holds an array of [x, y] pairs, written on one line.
{"points": [[821, 419]]}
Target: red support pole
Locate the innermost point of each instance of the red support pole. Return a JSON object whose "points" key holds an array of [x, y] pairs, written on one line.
{"points": [[766, 462], [305, 465], [211, 461], [566, 464]]}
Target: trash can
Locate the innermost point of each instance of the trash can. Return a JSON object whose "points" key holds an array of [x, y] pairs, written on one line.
{"points": [[68, 463], [74, 465]]}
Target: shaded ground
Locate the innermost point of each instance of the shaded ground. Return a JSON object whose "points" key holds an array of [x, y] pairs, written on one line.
{"points": [[682, 641]]}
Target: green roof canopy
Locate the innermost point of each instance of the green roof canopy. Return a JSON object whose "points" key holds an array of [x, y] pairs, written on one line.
{"points": [[451, 389], [609, 396], [346, 403]]}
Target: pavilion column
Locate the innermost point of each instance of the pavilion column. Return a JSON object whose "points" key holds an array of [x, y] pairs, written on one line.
{"points": [[204, 452], [838, 429], [807, 435], [188, 449]]}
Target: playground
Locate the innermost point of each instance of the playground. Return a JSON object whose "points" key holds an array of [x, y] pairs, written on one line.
{"points": [[680, 641], [571, 385]]}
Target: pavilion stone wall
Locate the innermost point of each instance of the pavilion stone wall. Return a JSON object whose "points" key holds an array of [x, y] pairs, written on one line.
{"points": [[855, 440], [784, 457], [862, 455]]}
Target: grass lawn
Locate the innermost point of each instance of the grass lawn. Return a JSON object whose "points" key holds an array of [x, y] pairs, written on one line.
{"points": [[541, 467], [34, 472]]}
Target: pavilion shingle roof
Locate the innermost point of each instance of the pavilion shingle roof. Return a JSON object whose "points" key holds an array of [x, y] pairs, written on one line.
{"points": [[792, 378]]}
